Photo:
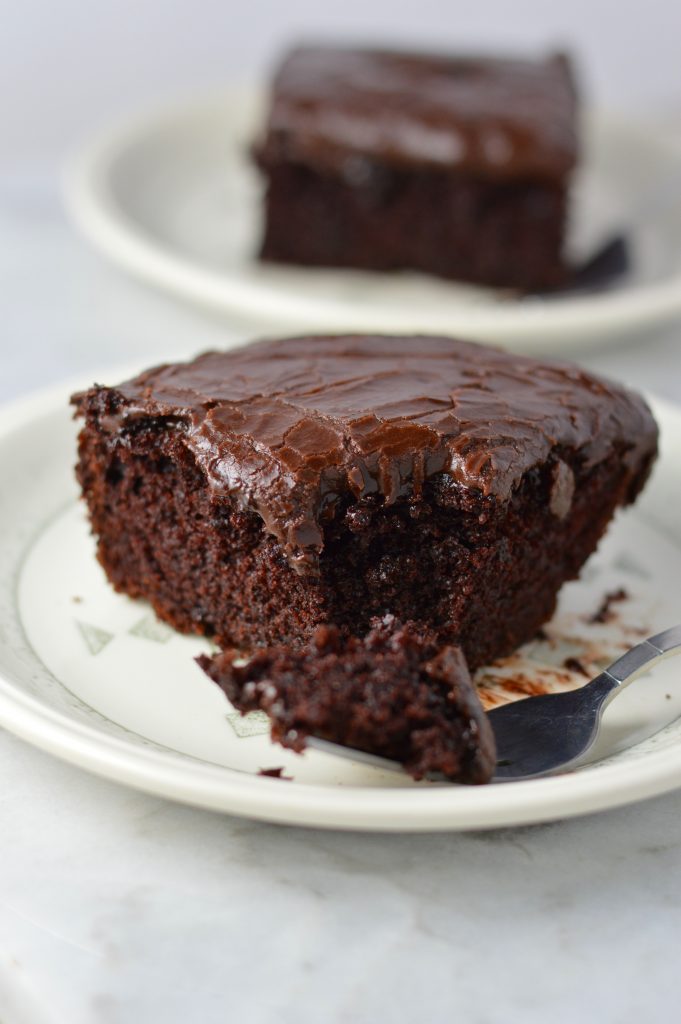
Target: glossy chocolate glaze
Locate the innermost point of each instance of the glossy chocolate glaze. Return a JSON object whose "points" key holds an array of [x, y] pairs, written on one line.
{"points": [[349, 109], [289, 427]]}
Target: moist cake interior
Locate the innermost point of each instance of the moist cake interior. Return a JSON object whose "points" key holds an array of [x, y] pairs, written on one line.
{"points": [[260, 494]]}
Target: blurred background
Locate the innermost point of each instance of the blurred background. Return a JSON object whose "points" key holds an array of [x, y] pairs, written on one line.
{"points": [[71, 68], [68, 66]]}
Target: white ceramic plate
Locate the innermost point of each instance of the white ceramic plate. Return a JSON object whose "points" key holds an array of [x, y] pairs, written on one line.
{"points": [[94, 678], [173, 199]]}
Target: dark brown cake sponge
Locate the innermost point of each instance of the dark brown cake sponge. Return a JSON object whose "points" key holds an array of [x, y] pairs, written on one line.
{"points": [[393, 693], [291, 427], [255, 494]]}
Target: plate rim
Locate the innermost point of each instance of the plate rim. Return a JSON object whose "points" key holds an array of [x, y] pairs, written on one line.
{"points": [[439, 808], [109, 227]]}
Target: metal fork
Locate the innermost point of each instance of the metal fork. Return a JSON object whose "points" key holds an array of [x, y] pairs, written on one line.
{"points": [[540, 735]]}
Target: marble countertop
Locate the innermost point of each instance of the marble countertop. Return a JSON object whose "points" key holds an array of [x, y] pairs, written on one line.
{"points": [[117, 907]]}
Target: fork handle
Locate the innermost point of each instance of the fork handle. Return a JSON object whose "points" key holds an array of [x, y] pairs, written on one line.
{"points": [[644, 656]]}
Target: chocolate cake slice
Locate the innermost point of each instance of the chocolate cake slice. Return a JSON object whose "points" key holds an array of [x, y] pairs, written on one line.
{"points": [[256, 494], [456, 166], [393, 693]]}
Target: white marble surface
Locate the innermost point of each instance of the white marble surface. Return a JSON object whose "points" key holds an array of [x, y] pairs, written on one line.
{"points": [[120, 908]]}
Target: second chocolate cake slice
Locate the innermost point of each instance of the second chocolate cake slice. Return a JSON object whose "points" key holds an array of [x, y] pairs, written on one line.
{"points": [[259, 493], [454, 165]]}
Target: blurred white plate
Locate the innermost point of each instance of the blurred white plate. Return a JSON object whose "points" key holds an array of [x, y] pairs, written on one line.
{"points": [[94, 678], [174, 199]]}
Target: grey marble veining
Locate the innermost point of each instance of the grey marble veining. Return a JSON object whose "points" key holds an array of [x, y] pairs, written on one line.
{"points": [[118, 907]]}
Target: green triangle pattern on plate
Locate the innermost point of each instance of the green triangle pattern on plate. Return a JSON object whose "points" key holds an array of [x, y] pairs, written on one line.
{"points": [[149, 628], [95, 638], [255, 723]]}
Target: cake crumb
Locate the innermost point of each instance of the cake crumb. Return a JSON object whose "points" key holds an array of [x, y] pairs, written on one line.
{"points": [[575, 665], [275, 773], [605, 613]]}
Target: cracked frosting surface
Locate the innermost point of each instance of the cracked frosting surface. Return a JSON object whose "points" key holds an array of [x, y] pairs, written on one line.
{"points": [[289, 427], [344, 109]]}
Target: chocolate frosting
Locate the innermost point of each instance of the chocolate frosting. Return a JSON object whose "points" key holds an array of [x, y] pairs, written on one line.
{"points": [[288, 427], [344, 109]]}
